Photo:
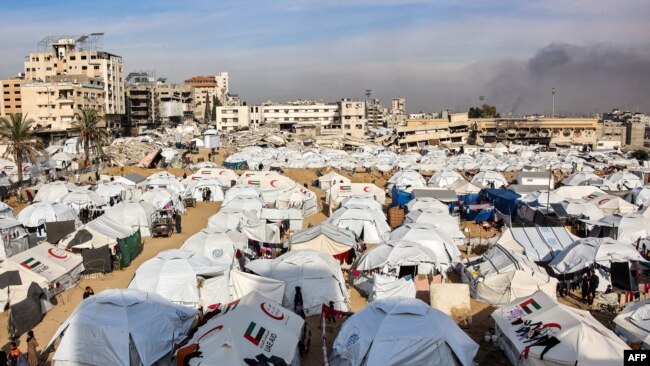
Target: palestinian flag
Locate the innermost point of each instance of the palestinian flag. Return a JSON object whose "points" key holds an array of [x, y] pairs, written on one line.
{"points": [[30, 263]]}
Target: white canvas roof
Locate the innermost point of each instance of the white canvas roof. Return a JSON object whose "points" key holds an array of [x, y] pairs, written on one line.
{"points": [[633, 323], [406, 178], [541, 244], [173, 274], [300, 198], [223, 176], [165, 181], [238, 332], [433, 238], [577, 192], [115, 327], [82, 199], [60, 268], [488, 178], [393, 254], [401, 331], [325, 238], [17, 293], [195, 189], [233, 285], [338, 192], [53, 192], [110, 228], [233, 219], [499, 277], [218, 244], [463, 187], [537, 326], [270, 183], [369, 225], [585, 252], [240, 190], [111, 189], [426, 203], [86, 238], [136, 215], [444, 179], [162, 199], [625, 181], [626, 228], [366, 201], [39, 213], [389, 286], [331, 178], [441, 220], [318, 274], [611, 204]]}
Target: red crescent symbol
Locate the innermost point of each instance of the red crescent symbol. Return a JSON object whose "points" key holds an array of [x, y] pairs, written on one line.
{"points": [[366, 189], [602, 201], [269, 314], [271, 183], [51, 252], [221, 172], [217, 328]]}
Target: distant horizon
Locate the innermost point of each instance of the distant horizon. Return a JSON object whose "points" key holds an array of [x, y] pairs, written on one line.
{"points": [[440, 55]]}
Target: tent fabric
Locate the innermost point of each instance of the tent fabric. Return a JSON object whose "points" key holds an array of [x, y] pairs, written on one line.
{"points": [[389, 256], [541, 244], [318, 274], [223, 176], [39, 213], [247, 330], [504, 200], [436, 240], [246, 203], [27, 313], [233, 285], [535, 330], [499, 277], [82, 199], [233, 219], [240, 190], [426, 203], [369, 225], [633, 323], [14, 238], [300, 198], [115, 326], [441, 220], [110, 190], [444, 179], [610, 204], [585, 252], [401, 331], [61, 269], [388, 286], [332, 178], [17, 293], [338, 192], [173, 274], [325, 238], [112, 229], [217, 244], [53, 192], [196, 187], [136, 215], [356, 200], [405, 179], [130, 248], [487, 179], [162, 199]]}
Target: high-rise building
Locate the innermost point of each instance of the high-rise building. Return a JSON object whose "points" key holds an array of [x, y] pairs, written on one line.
{"points": [[81, 55], [12, 99], [375, 113], [205, 87]]}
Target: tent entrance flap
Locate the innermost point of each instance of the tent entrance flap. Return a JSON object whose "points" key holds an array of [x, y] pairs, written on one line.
{"points": [[129, 247], [407, 271]]}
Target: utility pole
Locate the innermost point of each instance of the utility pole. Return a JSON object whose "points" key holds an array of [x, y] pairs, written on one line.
{"points": [[553, 92]]}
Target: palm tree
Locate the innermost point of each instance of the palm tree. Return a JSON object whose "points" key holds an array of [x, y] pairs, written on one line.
{"points": [[87, 122], [16, 133]]}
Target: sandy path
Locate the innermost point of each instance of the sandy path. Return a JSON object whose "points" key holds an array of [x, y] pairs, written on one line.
{"points": [[194, 220]]}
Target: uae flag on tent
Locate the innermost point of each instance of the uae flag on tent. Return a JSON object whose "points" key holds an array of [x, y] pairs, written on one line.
{"points": [[30, 263]]}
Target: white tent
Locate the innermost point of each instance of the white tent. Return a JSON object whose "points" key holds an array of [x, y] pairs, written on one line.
{"points": [[318, 274], [300, 198], [133, 214], [581, 208], [233, 285], [122, 327], [611, 204], [426, 203], [196, 187], [489, 179], [252, 328], [240, 190], [218, 244], [325, 238], [640, 196], [391, 255], [625, 228], [537, 331], [39, 213], [625, 181], [540, 244], [444, 179], [499, 277], [233, 219], [401, 331], [60, 268], [54, 192], [87, 238], [113, 190], [165, 181], [390, 286], [633, 323], [585, 252], [173, 274], [576, 179], [462, 187], [6, 210], [223, 176], [434, 239], [110, 228], [576, 192], [246, 203], [366, 201], [83, 199], [366, 224], [17, 293], [270, 183], [330, 179], [404, 179], [338, 192], [163, 199], [441, 220]]}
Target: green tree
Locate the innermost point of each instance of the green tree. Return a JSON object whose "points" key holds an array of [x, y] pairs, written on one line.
{"points": [[214, 108], [489, 111], [641, 155], [16, 133], [90, 132], [206, 115], [474, 112]]}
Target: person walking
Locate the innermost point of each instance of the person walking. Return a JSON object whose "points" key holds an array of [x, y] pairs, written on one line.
{"points": [[177, 220], [32, 352]]}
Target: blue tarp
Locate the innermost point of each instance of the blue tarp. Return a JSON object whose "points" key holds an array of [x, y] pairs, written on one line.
{"points": [[400, 198], [469, 199], [504, 200], [481, 215]]}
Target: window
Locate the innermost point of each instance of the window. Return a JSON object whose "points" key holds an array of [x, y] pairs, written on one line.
{"points": [[96, 67], [48, 69], [72, 58], [83, 57]]}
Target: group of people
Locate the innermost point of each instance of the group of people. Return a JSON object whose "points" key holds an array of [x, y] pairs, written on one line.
{"points": [[16, 358], [588, 285], [207, 194]]}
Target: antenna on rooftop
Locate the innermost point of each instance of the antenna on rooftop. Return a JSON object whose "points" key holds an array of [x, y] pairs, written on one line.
{"points": [[368, 93]]}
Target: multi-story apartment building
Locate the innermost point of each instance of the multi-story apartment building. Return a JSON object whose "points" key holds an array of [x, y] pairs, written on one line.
{"points": [[52, 104], [234, 118], [223, 85], [375, 113], [205, 87], [351, 116], [419, 132], [288, 116], [544, 131], [74, 55], [12, 99]]}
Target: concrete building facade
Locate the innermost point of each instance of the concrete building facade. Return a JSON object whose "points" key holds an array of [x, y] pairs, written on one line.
{"points": [[287, 116], [234, 118], [544, 131], [205, 87], [12, 99]]}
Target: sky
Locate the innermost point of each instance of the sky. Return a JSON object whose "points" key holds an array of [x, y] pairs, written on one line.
{"points": [[438, 54]]}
